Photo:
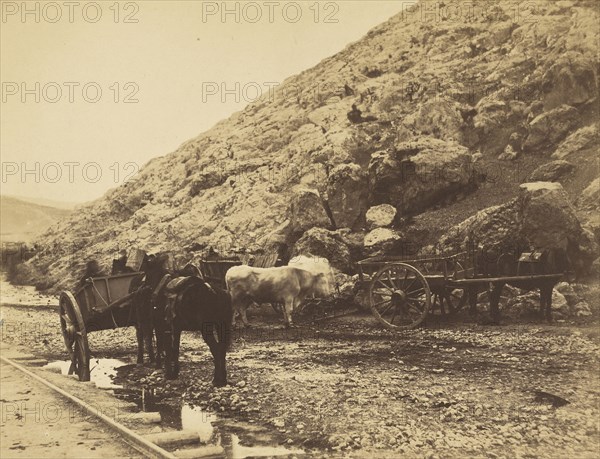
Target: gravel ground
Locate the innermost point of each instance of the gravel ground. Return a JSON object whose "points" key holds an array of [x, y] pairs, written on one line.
{"points": [[347, 388]]}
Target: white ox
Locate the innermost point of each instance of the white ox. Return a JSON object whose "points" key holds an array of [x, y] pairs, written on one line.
{"points": [[287, 285], [316, 265]]}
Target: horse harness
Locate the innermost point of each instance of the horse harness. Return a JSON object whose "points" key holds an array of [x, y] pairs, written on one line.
{"points": [[174, 290]]}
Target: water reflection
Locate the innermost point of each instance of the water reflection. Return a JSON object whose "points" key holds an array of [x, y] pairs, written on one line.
{"points": [[102, 371], [238, 451]]}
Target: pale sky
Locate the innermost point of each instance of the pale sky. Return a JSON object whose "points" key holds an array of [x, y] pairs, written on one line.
{"points": [[164, 60]]}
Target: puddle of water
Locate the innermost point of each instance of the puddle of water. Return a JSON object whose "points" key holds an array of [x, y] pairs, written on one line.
{"points": [[235, 450], [194, 418], [102, 371], [211, 429]]}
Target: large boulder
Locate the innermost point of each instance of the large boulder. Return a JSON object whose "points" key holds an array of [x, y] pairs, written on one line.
{"points": [[439, 118], [497, 120], [590, 196], [307, 211], [540, 216], [570, 80], [592, 224], [380, 216], [347, 195], [419, 174], [549, 128], [552, 171], [382, 241], [583, 138], [568, 292], [320, 242]]}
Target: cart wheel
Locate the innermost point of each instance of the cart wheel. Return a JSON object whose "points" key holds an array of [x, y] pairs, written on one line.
{"points": [[75, 336], [399, 297]]}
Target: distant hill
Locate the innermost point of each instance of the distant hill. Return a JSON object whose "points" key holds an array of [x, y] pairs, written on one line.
{"points": [[22, 220], [48, 202]]}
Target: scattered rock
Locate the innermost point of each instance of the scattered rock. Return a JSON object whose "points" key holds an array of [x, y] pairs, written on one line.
{"points": [[380, 216], [551, 172], [568, 292], [509, 154], [582, 309], [278, 423]]}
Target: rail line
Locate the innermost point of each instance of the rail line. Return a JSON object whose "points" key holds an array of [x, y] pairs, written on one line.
{"points": [[150, 445]]}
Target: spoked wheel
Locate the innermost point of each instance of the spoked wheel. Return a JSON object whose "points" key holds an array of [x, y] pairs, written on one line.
{"points": [[75, 336], [399, 297]]}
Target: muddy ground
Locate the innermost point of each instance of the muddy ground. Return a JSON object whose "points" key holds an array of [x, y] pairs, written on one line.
{"points": [[346, 387]]}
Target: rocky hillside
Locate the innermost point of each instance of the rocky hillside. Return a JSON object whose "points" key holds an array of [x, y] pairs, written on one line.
{"points": [[429, 120]]}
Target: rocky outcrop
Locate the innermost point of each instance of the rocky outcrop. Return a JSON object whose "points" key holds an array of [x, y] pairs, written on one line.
{"points": [[551, 172], [320, 242], [584, 138], [497, 120], [307, 211], [380, 216], [347, 195], [590, 197], [549, 128], [439, 118], [572, 80], [541, 216], [419, 174], [382, 241]]}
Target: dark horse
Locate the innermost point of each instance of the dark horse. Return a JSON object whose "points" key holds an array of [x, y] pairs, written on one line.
{"points": [[143, 310], [540, 269], [182, 301]]}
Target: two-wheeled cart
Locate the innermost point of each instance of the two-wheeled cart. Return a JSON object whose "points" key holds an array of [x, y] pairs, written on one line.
{"points": [[101, 303], [403, 290]]}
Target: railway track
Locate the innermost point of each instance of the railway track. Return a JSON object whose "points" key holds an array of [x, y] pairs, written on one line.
{"points": [[163, 445]]}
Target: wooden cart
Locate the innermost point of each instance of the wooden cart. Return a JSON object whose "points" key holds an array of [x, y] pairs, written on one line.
{"points": [[402, 291], [102, 303]]}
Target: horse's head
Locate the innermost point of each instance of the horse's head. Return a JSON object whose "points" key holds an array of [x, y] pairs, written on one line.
{"points": [[155, 266]]}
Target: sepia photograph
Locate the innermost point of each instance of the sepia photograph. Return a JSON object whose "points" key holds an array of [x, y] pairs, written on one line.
{"points": [[363, 229]]}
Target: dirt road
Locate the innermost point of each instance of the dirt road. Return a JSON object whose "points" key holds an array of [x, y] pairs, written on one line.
{"points": [[36, 423], [347, 388]]}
